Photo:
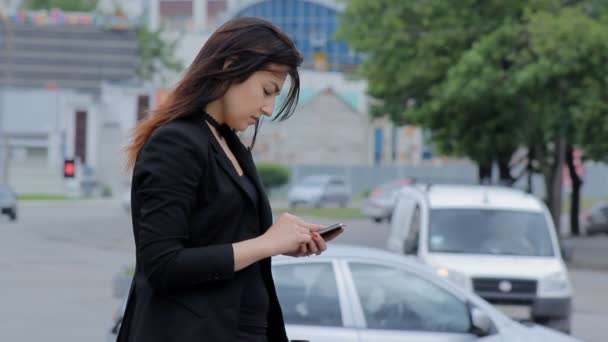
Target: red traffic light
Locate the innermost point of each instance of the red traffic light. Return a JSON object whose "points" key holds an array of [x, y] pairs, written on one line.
{"points": [[69, 169]]}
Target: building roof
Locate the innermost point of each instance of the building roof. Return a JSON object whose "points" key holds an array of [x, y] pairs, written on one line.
{"points": [[307, 95]]}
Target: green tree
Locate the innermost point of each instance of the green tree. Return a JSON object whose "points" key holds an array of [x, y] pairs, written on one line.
{"points": [[156, 54], [411, 46], [489, 77], [66, 5], [544, 77], [273, 175]]}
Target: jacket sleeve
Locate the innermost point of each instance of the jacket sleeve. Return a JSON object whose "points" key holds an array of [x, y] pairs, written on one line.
{"points": [[167, 172]]}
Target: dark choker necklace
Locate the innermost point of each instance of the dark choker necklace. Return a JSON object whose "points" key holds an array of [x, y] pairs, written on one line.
{"points": [[220, 128]]}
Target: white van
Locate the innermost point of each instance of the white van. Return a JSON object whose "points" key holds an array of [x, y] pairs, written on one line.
{"points": [[499, 242]]}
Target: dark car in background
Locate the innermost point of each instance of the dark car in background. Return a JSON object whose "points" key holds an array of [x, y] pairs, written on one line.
{"points": [[8, 202], [595, 221]]}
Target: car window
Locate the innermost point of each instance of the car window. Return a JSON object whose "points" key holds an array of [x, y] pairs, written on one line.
{"points": [[395, 299], [308, 294], [485, 231], [337, 182]]}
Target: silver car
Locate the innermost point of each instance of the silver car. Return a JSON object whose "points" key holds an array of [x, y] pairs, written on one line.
{"points": [[8, 202], [359, 294], [596, 220], [380, 203], [320, 190]]}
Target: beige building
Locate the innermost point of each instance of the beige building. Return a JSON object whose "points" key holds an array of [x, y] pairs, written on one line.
{"points": [[325, 129]]}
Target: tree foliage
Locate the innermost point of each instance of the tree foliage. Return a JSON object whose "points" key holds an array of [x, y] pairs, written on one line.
{"points": [[490, 77]]}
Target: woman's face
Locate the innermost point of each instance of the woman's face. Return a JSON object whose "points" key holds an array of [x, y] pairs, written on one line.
{"points": [[246, 102]]}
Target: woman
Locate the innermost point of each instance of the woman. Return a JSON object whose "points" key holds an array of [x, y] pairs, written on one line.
{"points": [[201, 220]]}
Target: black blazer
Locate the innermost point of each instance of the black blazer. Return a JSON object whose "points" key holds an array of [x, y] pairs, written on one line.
{"points": [[188, 207]]}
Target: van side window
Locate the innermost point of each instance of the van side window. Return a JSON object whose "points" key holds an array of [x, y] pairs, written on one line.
{"points": [[411, 241]]}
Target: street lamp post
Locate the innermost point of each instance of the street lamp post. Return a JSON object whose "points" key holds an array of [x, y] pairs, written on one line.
{"points": [[5, 42]]}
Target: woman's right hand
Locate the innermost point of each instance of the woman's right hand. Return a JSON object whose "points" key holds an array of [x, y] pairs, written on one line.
{"points": [[288, 234]]}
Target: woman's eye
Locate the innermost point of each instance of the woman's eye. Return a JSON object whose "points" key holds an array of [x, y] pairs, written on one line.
{"points": [[266, 92]]}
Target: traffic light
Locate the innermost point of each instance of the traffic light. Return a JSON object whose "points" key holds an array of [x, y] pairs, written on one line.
{"points": [[69, 168]]}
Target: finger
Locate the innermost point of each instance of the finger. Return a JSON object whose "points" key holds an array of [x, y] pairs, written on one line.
{"points": [[304, 237], [303, 230], [312, 247], [320, 243], [311, 226], [303, 249]]}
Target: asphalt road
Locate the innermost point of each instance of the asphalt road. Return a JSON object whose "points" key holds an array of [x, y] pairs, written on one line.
{"points": [[57, 263]]}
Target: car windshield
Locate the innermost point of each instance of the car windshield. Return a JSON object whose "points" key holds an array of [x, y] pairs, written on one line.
{"points": [[501, 232]]}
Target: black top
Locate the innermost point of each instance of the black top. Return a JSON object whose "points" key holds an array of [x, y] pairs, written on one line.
{"points": [[254, 298]]}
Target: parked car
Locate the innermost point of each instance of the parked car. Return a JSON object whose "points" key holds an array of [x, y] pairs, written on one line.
{"points": [[595, 221], [358, 294], [380, 203], [8, 202], [499, 242], [319, 191]]}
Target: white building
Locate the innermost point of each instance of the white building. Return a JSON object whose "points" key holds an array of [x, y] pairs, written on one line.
{"points": [[43, 128]]}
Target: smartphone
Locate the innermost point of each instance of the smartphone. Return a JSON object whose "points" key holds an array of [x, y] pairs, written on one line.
{"points": [[327, 231]]}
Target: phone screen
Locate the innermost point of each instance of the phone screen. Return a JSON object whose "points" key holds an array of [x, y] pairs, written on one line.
{"points": [[330, 229]]}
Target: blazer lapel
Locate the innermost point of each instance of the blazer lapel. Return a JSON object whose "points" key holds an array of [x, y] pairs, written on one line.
{"points": [[243, 155], [226, 164]]}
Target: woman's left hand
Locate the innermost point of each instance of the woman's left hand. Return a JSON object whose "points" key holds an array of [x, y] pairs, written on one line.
{"points": [[317, 244]]}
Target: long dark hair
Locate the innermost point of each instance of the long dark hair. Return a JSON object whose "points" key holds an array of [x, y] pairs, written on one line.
{"points": [[249, 44]]}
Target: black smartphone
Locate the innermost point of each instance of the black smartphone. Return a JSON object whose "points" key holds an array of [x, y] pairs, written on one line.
{"points": [[329, 230]]}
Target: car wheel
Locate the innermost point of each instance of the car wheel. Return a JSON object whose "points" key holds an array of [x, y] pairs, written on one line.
{"points": [[559, 324], [13, 216], [377, 219]]}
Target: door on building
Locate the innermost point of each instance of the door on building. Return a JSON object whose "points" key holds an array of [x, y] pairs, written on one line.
{"points": [[80, 138]]}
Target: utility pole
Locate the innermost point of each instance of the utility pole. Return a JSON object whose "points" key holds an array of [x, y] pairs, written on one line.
{"points": [[5, 42]]}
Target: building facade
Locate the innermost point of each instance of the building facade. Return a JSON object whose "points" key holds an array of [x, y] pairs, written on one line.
{"points": [[312, 24], [65, 51]]}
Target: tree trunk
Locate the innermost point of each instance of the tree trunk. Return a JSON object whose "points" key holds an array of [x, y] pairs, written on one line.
{"points": [[485, 173], [530, 168], [553, 180], [504, 170], [529, 174], [575, 196]]}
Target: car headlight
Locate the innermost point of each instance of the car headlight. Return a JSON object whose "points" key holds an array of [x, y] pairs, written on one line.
{"points": [[455, 277], [554, 284]]}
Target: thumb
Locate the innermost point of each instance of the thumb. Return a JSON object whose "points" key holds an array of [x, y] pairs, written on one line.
{"points": [[313, 227]]}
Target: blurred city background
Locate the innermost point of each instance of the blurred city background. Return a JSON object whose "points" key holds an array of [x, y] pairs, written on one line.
{"points": [[395, 95]]}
